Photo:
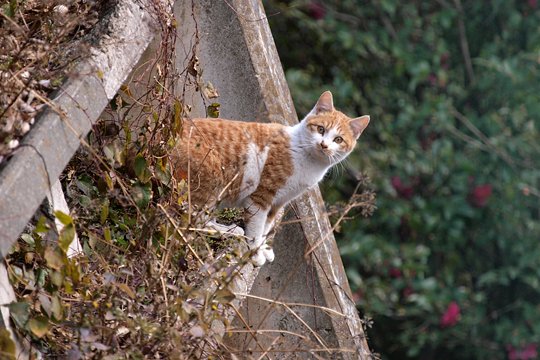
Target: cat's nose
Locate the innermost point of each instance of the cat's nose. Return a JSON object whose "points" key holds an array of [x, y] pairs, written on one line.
{"points": [[324, 145]]}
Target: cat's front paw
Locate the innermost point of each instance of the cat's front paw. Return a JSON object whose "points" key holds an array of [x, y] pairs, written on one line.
{"points": [[258, 259], [268, 253]]}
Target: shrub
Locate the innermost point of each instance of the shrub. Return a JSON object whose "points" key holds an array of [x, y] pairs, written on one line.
{"points": [[448, 266]]}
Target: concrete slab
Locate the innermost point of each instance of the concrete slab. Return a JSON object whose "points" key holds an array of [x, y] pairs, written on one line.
{"points": [[28, 175], [235, 51]]}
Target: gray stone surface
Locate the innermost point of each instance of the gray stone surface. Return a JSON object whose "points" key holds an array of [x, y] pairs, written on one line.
{"points": [[235, 48], [27, 176]]}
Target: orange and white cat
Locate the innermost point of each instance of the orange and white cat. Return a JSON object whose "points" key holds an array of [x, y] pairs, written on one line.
{"points": [[262, 167]]}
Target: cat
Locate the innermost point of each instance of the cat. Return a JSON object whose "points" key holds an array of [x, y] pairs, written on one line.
{"points": [[261, 167]]}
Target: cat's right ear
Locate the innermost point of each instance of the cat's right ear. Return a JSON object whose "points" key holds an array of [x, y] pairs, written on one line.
{"points": [[324, 104], [359, 124]]}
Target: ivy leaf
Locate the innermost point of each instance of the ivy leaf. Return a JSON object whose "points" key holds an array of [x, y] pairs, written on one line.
{"points": [[42, 226], [39, 326], [140, 166], [46, 304], [63, 217], [67, 234], [142, 194], [19, 312], [28, 239]]}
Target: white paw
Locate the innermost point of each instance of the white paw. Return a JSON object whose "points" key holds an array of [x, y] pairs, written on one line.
{"points": [[258, 259], [268, 253]]}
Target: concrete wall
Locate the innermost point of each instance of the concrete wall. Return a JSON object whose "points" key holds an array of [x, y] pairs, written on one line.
{"points": [[236, 51]]}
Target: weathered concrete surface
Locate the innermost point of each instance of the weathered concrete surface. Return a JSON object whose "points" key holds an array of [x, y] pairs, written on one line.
{"points": [[235, 48], [27, 177]]}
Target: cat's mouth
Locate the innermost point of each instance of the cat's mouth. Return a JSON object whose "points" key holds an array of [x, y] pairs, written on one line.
{"points": [[326, 153]]}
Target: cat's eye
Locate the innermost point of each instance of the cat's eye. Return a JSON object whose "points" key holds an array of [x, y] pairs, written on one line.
{"points": [[320, 129], [338, 139]]}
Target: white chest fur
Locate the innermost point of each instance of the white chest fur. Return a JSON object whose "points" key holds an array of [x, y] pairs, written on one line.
{"points": [[307, 169]]}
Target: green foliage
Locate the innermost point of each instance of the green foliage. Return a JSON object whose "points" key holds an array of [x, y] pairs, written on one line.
{"points": [[452, 151]]}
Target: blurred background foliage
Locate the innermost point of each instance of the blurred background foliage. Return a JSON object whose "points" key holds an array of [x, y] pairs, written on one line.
{"points": [[448, 267]]}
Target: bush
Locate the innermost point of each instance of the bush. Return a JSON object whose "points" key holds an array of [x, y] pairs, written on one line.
{"points": [[449, 265]]}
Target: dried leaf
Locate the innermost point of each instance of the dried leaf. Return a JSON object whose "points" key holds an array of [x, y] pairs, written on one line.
{"points": [[54, 258], [57, 309], [210, 91], [224, 295], [125, 288], [7, 345], [39, 326]]}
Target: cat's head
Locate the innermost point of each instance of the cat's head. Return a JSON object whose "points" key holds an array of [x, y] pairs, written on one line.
{"points": [[329, 133]]}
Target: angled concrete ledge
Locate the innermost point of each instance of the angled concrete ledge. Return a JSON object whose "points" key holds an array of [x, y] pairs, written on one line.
{"points": [[235, 47], [28, 175]]}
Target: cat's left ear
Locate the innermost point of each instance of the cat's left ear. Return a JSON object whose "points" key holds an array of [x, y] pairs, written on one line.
{"points": [[358, 125]]}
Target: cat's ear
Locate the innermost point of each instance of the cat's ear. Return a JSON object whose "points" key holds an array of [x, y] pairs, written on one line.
{"points": [[324, 104], [358, 125]]}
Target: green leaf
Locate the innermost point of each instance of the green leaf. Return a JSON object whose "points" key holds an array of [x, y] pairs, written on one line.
{"points": [[107, 234], [104, 211], [19, 312], [39, 326], [140, 166], [213, 110], [142, 194], [67, 234], [63, 217], [42, 226], [28, 239]]}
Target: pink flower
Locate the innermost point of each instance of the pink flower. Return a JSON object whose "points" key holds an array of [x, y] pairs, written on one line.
{"points": [[451, 315], [533, 3], [404, 191], [480, 195], [408, 291], [316, 11], [433, 80], [444, 60], [525, 353], [394, 272]]}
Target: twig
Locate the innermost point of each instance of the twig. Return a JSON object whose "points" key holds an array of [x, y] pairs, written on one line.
{"points": [[464, 42]]}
